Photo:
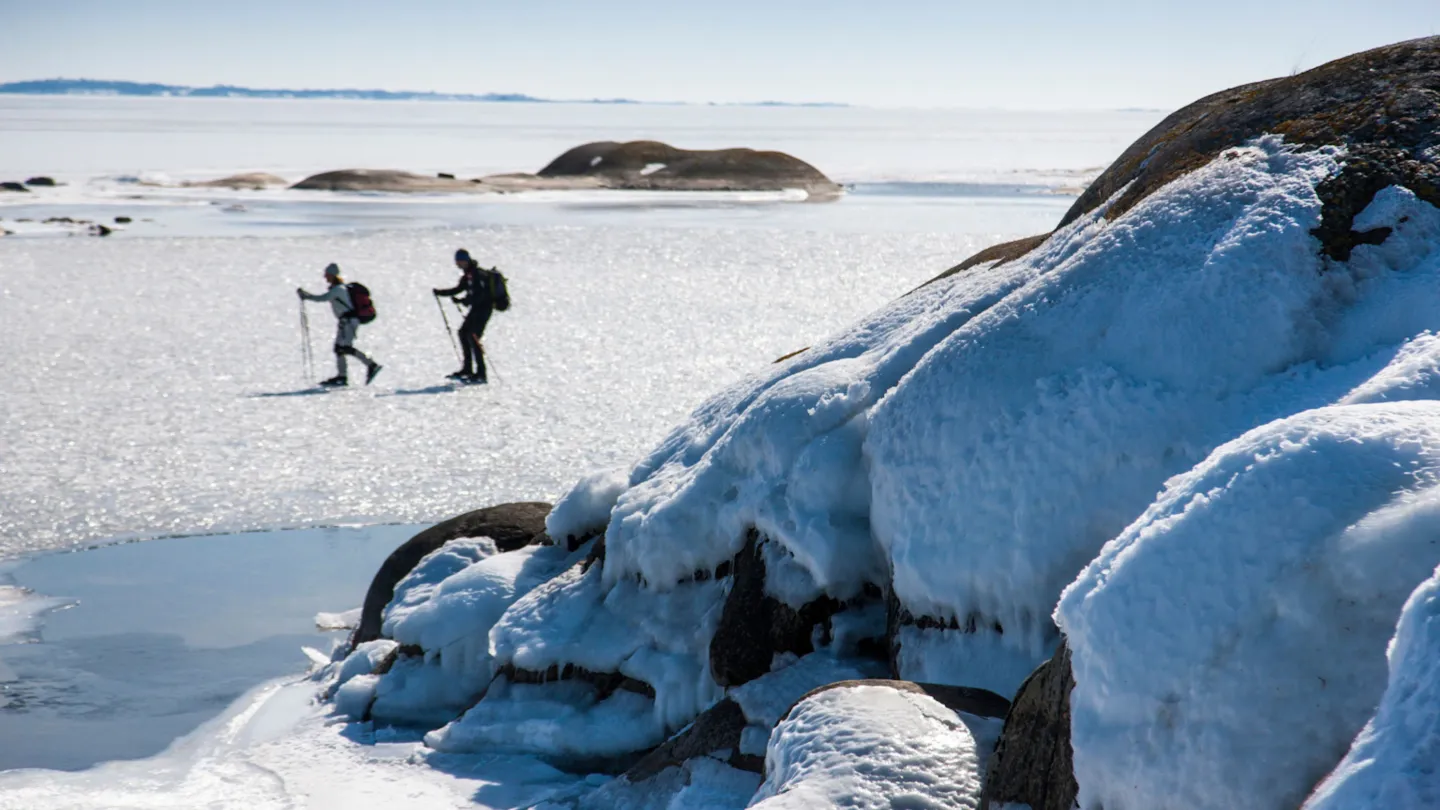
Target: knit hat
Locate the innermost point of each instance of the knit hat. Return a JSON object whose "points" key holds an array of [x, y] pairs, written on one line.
{"points": [[332, 269], [462, 255]]}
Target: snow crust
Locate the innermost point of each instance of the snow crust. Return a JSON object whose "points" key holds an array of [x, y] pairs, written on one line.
{"points": [[585, 509], [915, 753], [1392, 763]]}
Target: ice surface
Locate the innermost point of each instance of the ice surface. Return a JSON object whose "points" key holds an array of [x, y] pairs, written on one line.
{"points": [[273, 750], [1391, 766], [210, 430], [209, 138], [1229, 645], [870, 747], [21, 611]]}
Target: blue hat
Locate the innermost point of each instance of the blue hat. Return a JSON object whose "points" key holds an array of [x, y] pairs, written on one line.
{"points": [[462, 255], [332, 269]]}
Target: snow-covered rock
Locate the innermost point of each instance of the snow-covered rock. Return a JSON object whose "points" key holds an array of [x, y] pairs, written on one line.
{"points": [[870, 747], [1231, 317], [1228, 646]]}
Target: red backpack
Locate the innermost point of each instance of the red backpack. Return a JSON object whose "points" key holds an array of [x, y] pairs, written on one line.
{"points": [[360, 304]]}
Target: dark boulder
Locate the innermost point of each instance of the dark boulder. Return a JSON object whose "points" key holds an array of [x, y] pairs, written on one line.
{"points": [[716, 729], [1033, 762], [123, 220], [651, 165], [754, 625], [382, 180], [1382, 105], [40, 181], [511, 526], [11, 186]]}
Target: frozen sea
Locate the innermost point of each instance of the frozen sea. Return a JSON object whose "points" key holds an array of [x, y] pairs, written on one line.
{"points": [[151, 386]]}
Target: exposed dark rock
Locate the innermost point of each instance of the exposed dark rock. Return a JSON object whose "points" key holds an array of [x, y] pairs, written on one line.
{"points": [[651, 165], [510, 525], [445, 176], [1033, 762], [381, 180], [605, 683], [1382, 105], [9, 186], [968, 699], [40, 181], [716, 729], [754, 625], [1000, 254], [100, 230], [122, 220]]}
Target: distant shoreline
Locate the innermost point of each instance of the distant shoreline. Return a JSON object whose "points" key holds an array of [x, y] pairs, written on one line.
{"points": [[99, 87]]}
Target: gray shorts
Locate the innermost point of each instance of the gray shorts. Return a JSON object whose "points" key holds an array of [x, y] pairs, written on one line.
{"points": [[345, 333]]}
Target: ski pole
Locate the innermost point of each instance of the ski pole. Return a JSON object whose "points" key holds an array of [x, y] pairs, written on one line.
{"points": [[307, 354], [446, 318], [490, 361]]}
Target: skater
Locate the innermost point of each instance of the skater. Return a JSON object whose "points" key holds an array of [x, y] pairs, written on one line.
{"points": [[484, 292], [342, 302]]}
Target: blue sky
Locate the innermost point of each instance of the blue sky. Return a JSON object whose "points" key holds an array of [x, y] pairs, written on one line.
{"points": [[1035, 55]]}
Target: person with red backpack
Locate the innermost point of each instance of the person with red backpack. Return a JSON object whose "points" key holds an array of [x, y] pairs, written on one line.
{"points": [[352, 306], [485, 292]]}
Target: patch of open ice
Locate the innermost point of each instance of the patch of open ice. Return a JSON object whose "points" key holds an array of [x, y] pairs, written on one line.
{"points": [[21, 611]]}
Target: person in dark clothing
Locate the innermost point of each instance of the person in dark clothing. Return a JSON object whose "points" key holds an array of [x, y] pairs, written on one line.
{"points": [[348, 324], [478, 291]]}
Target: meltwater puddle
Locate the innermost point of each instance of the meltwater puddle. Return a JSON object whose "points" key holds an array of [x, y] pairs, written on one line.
{"points": [[135, 645]]}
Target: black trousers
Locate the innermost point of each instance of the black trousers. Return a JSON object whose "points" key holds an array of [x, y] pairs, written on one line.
{"points": [[470, 333]]}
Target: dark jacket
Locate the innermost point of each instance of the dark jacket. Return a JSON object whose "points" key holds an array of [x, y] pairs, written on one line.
{"points": [[477, 286]]}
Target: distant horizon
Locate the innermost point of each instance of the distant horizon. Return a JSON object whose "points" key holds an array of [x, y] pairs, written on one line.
{"points": [[129, 88]]}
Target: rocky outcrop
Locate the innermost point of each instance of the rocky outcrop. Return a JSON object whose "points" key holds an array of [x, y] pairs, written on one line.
{"points": [[11, 186], [41, 181], [511, 526], [1382, 106], [655, 166], [382, 180], [1033, 762], [252, 181]]}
